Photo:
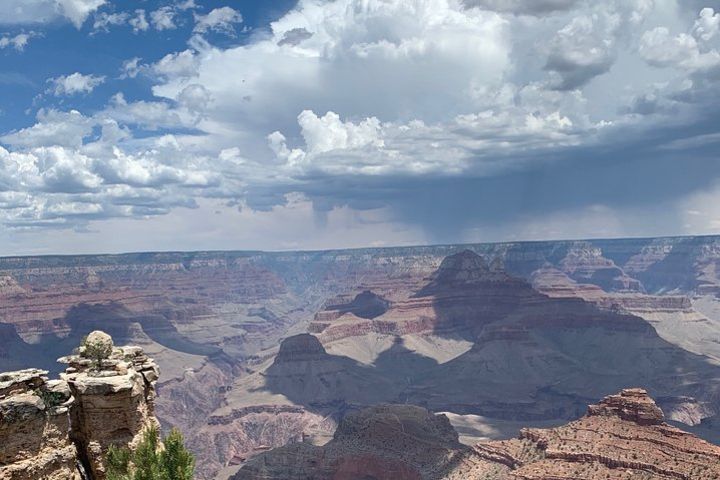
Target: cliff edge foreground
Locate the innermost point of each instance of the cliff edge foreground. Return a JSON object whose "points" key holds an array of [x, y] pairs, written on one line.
{"points": [[61, 429]]}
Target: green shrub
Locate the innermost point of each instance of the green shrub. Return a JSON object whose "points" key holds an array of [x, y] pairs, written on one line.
{"points": [[176, 462], [97, 351], [149, 462], [51, 399], [117, 463]]}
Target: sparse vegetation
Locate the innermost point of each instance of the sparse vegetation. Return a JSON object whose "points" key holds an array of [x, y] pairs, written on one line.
{"points": [[96, 349], [51, 399]]}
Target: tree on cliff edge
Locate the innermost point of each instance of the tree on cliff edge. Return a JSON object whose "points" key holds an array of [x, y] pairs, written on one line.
{"points": [[97, 346], [176, 462], [151, 462]]}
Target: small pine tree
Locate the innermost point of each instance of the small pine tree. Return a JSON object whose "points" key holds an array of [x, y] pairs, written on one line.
{"points": [[176, 462], [117, 463], [149, 462], [97, 351], [145, 457]]}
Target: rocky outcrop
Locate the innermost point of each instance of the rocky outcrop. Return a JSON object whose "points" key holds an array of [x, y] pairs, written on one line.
{"points": [[467, 298], [9, 287], [307, 375], [114, 401], [387, 442], [61, 429], [584, 262], [35, 428], [623, 437], [366, 304], [300, 348], [633, 405]]}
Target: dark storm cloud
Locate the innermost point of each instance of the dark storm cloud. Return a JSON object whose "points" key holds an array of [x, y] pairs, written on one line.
{"points": [[295, 36], [572, 74], [532, 7], [630, 169]]}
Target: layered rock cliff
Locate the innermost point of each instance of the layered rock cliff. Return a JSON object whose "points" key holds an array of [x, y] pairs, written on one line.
{"points": [[61, 429], [624, 437]]}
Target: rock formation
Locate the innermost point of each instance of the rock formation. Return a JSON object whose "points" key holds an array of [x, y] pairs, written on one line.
{"points": [[624, 437], [387, 442], [35, 428], [61, 429]]}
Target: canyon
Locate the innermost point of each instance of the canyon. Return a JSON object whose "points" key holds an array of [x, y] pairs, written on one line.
{"points": [[259, 350]]}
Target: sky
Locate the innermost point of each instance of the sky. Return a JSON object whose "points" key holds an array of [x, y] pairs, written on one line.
{"points": [[141, 125]]}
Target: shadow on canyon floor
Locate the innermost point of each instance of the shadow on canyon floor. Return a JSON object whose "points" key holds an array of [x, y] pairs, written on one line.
{"points": [[533, 357], [123, 325]]}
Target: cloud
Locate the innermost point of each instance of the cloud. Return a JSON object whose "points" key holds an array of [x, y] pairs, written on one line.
{"points": [[581, 50], [75, 83], [532, 7], [438, 119], [18, 42], [131, 68], [328, 133], [103, 21], [422, 66], [146, 114], [211, 224], [186, 5], [661, 49], [44, 11], [707, 26], [163, 18], [471, 143], [588, 45], [177, 65], [59, 175], [139, 22], [78, 10], [218, 20], [294, 37], [53, 128]]}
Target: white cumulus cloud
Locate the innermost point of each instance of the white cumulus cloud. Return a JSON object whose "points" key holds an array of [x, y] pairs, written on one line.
{"points": [[44, 11], [75, 83], [18, 42], [220, 19]]}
